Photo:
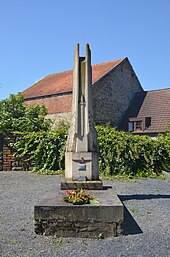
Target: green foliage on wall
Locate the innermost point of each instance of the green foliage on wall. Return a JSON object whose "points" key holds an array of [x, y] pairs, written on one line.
{"points": [[126, 154], [15, 116], [41, 151], [120, 153], [162, 154]]}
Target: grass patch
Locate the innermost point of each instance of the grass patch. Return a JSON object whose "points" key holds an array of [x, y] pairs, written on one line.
{"points": [[133, 209], [13, 242], [131, 178], [58, 242], [21, 218], [118, 177], [50, 172]]}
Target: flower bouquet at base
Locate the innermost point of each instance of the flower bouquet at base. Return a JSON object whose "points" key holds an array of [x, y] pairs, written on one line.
{"points": [[79, 197]]}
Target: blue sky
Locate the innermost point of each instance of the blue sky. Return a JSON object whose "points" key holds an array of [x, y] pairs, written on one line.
{"points": [[37, 38]]}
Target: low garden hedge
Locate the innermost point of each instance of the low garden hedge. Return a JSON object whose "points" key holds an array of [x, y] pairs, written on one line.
{"points": [[120, 153]]}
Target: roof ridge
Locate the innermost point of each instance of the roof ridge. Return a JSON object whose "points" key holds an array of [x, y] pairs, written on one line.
{"points": [[58, 73], [95, 64], [159, 89], [68, 72], [120, 59]]}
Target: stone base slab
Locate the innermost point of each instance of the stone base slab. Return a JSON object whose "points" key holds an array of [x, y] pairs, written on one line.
{"points": [[89, 185], [54, 217]]}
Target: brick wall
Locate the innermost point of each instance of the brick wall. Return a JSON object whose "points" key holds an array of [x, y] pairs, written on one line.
{"points": [[8, 157]]}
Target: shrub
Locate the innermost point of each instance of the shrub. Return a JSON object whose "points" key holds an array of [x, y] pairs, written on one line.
{"points": [[15, 116], [41, 151], [162, 153], [120, 153], [124, 154]]}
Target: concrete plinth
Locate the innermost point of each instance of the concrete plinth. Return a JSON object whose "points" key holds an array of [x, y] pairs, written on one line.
{"points": [[53, 216], [89, 185]]}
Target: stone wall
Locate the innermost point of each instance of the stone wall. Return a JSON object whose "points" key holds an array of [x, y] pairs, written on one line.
{"points": [[55, 217], [59, 119], [113, 93]]}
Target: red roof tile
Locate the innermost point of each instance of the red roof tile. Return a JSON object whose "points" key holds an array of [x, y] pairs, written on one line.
{"points": [[62, 82], [154, 104]]}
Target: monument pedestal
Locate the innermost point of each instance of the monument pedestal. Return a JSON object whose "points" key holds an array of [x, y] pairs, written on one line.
{"points": [[89, 185], [54, 217]]}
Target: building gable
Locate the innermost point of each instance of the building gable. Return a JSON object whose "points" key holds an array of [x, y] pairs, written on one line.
{"points": [[113, 85], [59, 83], [113, 92]]}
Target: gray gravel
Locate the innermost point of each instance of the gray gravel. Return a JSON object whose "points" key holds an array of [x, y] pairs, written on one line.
{"points": [[147, 226]]}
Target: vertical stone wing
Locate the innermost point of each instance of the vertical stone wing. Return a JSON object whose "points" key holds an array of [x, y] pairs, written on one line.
{"points": [[73, 130], [90, 128]]}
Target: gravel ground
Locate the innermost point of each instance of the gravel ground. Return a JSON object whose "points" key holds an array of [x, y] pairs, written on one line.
{"points": [[147, 226]]}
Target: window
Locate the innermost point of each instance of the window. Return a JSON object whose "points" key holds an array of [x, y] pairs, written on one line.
{"points": [[135, 125], [130, 126], [138, 124]]}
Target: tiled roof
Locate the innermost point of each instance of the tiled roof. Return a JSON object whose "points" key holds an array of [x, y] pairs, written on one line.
{"points": [[62, 82], [154, 104]]}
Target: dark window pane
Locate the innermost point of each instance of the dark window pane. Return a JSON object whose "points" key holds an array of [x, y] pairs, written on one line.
{"points": [[130, 126], [138, 125]]}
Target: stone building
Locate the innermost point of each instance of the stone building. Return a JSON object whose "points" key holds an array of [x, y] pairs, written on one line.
{"points": [[118, 98], [113, 86]]}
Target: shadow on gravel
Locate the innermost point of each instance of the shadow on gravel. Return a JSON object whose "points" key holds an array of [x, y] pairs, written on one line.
{"points": [[143, 197], [130, 227]]}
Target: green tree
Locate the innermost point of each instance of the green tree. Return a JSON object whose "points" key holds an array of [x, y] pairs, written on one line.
{"points": [[15, 116]]}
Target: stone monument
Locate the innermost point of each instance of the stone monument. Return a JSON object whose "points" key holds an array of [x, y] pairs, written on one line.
{"points": [[81, 157], [55, 217]]}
